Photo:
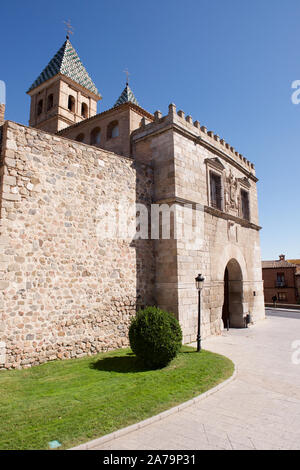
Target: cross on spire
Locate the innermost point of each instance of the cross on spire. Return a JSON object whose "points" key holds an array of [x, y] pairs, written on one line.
{"points": [[69, 28], [127, 76]]}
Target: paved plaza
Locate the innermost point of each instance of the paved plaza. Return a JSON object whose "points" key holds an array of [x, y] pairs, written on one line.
{"points": [[260, 409]]}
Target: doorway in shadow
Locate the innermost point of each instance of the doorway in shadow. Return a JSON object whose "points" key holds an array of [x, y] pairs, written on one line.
{"points": [[233, 311]]}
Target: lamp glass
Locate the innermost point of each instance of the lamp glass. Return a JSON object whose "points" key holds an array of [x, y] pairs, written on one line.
{"points": [[199, 282]]}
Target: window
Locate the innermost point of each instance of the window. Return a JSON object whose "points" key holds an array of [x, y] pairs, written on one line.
{"points": [[215, 190], [80, 137], [282, 296], [84, 110], [280, 282], [113, 130], [96, 136], [40, 107], [71, 103], [50, 102], [245, 209]]}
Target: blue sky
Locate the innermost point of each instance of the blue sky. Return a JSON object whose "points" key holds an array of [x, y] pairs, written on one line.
{"points": [[228, 63]]}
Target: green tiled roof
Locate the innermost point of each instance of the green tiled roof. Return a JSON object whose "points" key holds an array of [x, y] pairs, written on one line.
{"points": [[67, 62], [126, 96]]}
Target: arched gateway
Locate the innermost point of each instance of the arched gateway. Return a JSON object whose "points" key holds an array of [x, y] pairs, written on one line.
{"points": [[233, 311]]}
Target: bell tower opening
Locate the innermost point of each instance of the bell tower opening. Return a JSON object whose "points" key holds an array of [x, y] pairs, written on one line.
{"points": [[233, 310]]}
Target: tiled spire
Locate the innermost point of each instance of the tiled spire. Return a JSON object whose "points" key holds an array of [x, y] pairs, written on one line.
{"points": [[126, 97], [67, 62]]}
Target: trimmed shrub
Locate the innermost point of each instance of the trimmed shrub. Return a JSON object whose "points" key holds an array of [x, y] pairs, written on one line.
{"points": [[155, 336]]}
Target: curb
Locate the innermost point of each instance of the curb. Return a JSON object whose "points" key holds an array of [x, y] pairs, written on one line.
{"points": [[146, 422], [283, 309]]}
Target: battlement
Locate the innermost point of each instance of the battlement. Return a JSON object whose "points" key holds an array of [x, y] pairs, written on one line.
{"points": [[197, 131]]}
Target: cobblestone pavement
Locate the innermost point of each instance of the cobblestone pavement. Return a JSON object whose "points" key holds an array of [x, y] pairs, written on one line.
{"points": [[258, 410]]}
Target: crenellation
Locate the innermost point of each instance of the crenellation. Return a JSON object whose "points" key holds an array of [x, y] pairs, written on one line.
{"points": [[157, 115], [195, 128], [215, 138], [172, 110]]}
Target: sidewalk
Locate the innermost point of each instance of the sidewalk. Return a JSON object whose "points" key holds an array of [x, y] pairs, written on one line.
{"points": [[258, 410]]}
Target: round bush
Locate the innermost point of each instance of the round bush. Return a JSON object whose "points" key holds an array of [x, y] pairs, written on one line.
{"points": [[155, 337]]}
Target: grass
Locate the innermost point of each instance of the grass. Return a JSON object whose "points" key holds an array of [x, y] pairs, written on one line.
{"points": [[78, 400]]}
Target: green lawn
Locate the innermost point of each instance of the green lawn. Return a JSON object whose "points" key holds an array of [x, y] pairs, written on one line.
{"points": [[78, 400]]}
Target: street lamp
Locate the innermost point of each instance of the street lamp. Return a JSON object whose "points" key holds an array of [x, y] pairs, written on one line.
{"points": [[199, 286]]}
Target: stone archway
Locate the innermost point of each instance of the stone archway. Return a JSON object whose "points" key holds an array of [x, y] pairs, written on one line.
{"points": [[233, 309]]}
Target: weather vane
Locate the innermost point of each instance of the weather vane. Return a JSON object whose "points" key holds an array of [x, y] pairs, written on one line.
{"points": [[69, 28], [127, 76]]}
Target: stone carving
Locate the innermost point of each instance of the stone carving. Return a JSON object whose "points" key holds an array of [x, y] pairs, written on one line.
{"points": [[232, 231], [232, 199]]}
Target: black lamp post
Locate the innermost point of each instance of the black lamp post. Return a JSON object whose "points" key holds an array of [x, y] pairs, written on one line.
{"points": [[199, 285]]}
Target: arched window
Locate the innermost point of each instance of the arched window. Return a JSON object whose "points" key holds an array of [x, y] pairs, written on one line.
{"points": [[50, 101], [84, 110], [71, 103], [40, 107], [113, 130], [80, 137], [96, 136]]}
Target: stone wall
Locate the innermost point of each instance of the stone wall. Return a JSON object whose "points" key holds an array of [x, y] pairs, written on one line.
{"points": [[68, 288], [67, 291], [2, 113], [128, 116], [220, 237]]}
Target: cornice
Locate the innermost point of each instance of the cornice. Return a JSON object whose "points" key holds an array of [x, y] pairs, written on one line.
{"points": [[69, 80], [215, 163], [208, 210], [225, 216], [113, 110], [216, 151]]}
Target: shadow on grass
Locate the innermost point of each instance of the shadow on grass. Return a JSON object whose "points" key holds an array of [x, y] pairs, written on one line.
{"points": [[123, 364]]}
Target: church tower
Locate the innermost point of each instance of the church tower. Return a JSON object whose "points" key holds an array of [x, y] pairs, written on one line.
{"points": [[63, 94]]}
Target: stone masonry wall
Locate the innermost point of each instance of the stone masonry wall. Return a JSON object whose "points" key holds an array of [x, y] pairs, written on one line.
{"points": [[2, 113], [64, 290], [183, 153], [216, 242]]}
